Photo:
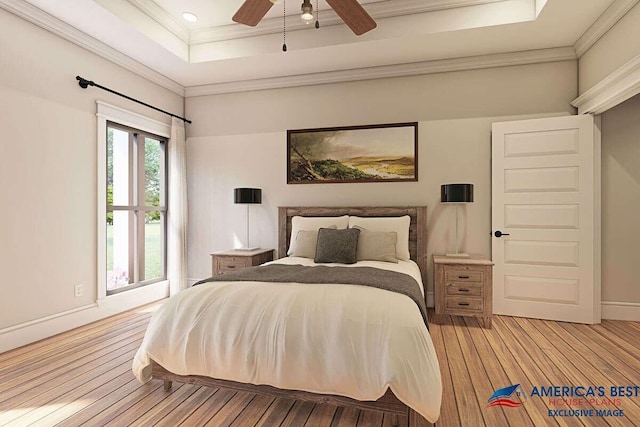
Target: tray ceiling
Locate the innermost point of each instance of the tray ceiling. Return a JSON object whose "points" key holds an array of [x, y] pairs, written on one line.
{"points": [[216, 51]]}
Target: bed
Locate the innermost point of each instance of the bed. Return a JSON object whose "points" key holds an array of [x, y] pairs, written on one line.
{"points": [[354, 345]]}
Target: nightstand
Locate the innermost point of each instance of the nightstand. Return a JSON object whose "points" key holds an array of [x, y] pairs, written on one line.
{"points": [[463, 286], [228, 261]]}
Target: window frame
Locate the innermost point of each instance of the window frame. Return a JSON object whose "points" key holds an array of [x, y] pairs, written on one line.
{"points": [[120, 116], [137, 204]]}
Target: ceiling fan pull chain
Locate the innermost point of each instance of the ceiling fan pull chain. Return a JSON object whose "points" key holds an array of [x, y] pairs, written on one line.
{"points": [[284, 25], [317, 15]]}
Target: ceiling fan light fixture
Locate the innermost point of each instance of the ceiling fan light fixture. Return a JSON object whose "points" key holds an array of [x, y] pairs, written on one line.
{"points": [[307, 12], [350, 11]]}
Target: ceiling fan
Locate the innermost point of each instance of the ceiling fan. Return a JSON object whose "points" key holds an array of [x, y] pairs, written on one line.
{"points": [[252, 11]]}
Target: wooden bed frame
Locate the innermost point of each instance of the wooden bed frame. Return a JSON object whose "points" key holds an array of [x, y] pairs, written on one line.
{"points": [[389, 403]]}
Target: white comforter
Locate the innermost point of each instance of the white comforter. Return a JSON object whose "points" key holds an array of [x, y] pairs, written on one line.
{"points": [[346, 340]]}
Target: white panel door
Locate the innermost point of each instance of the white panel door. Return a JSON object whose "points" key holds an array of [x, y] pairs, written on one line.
{"points": [[546, 218]]}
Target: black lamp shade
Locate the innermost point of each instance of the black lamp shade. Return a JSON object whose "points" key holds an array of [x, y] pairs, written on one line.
{"points": [[248, 195], [456, 193]]}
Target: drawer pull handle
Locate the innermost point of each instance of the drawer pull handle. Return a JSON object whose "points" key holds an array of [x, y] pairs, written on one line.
{"points": [[231, 266], [463, 290], [463, 277], [463, 303]]}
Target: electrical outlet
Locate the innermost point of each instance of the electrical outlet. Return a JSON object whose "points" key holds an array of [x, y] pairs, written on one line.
{"points": [[79, 290]]}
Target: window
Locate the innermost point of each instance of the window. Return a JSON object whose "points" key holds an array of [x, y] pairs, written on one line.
{"points": [[135, 208]]}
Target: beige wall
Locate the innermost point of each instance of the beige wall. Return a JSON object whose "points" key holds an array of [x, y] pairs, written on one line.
{"points": [[240, 140], [620, 162], [48, 156], [618, 46], [621, 202], [467, 94], [48, 166]]}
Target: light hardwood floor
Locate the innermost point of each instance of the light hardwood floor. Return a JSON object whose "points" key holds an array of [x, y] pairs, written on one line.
{"points": [[83, 377]]}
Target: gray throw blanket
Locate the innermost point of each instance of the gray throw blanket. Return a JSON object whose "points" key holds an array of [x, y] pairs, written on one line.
{"points": [[364, 276]]}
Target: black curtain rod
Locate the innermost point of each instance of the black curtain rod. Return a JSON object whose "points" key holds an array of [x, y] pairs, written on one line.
{"points": [[84, 83]]}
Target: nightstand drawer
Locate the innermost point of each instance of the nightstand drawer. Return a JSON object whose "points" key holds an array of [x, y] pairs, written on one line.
{"points": [[462, 274], [234, 260], [474, 305], [228, 264], [464, 289]]}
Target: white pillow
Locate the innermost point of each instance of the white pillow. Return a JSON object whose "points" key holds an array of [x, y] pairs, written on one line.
{"points": [[314, 223], [305, 244], [377, 245], [398, 224]]}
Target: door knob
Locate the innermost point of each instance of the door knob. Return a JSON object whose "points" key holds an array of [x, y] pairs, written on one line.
{"points": [[500, 234]]}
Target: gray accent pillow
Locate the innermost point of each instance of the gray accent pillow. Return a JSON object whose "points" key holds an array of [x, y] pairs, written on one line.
{"points": [[377, 245], [337, 245], [305, 243]]}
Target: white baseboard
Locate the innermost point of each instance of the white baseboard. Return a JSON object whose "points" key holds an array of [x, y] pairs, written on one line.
{"points": [[613, 310], [35, 330]]}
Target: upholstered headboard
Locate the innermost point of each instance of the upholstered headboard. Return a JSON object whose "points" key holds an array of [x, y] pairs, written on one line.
{"points": [[417, 228]]}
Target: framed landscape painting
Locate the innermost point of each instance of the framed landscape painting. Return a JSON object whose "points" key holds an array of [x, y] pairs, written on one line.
{"points": [[375, 153]]}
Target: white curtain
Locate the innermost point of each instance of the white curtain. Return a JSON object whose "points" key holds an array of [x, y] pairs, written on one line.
{"points": [[177, 209]]}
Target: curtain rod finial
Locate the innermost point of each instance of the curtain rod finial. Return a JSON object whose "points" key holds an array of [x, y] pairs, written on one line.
{"points": [[83, 83]]}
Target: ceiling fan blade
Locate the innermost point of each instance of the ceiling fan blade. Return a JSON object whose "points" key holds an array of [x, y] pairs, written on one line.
{"points": [[353, 15], [252, 11]]}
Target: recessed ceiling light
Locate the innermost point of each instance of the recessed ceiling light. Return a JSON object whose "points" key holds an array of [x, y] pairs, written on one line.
{"points": [[188, 16]]}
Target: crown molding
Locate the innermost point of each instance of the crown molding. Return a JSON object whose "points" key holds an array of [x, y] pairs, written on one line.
{"points": [[164, 18], [378, 10], [392, 8], [52, 24], [614, 89], [387, 71], [603, 24]]}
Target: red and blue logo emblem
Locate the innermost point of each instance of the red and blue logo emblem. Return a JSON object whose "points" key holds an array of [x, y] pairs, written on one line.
{"points": [[512, 396]]}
